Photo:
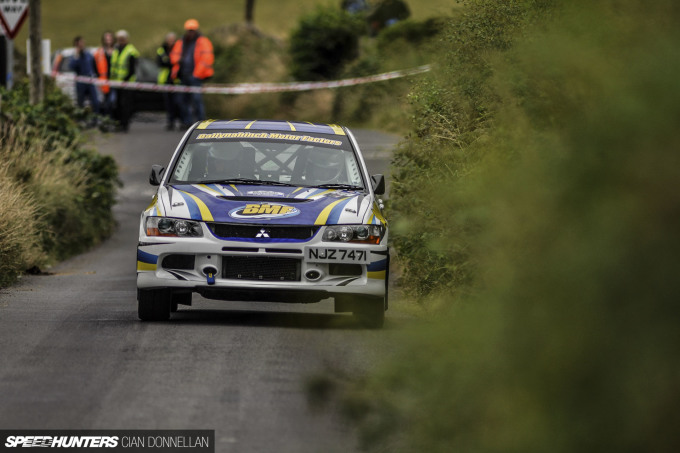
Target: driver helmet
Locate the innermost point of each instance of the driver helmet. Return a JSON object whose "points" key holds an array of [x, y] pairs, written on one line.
{"points": [[222, 162], [324, 165]]}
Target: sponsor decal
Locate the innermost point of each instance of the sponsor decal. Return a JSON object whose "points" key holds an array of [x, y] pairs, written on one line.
{"points": [[268, 136], [263, 211], [264, 193]]}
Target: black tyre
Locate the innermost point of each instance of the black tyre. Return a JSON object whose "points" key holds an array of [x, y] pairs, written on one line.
{"points": [[370, 312], [154, 304]]}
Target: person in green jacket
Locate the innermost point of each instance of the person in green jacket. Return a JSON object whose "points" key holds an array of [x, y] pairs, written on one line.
{"points": [[123, 66], [165, 78]]}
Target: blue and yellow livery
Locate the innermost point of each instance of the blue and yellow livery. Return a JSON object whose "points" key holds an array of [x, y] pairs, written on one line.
{"points": [[265, 210]]}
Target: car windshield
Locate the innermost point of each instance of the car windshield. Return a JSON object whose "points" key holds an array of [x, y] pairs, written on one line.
{"points": [[244, 157]]}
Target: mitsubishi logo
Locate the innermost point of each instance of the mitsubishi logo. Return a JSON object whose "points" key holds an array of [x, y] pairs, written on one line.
{"points": [[262, 234]]}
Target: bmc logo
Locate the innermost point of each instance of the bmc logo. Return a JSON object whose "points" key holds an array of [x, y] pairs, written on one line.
{"points": [[264, 211]]}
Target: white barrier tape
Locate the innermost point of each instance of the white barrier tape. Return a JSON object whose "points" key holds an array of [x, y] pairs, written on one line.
{"points": [[246, 88]]}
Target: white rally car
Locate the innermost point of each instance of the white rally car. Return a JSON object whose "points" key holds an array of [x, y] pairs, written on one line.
{"points": [[264, 211]]}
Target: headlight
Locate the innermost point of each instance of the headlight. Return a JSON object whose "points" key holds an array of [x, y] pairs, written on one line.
{"points": [[165, 226], [369, 234]]}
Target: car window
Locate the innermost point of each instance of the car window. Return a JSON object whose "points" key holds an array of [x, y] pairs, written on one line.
{"points": [[296, 159]]}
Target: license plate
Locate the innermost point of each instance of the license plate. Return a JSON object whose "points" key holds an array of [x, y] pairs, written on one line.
{"points": [[331, 255]]}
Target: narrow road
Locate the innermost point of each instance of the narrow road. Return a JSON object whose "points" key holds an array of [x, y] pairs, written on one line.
{"points": [[73, 354]]}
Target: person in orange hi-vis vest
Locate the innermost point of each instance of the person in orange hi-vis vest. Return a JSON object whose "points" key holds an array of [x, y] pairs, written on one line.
{"points": [[102, 60], [192, 61]]}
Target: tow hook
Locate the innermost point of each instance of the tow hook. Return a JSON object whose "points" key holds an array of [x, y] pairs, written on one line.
{"points": [[210, 273]]}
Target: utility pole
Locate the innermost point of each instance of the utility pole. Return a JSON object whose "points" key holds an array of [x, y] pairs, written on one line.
{"points": [[250, 6], [36, 88]]}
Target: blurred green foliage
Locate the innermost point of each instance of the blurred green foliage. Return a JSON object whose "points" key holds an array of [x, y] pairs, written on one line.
{"points": [[545, 188], [452, 114], [409, 32], [56, 119], [67, 190], [228, 62], [323, 42], [245, 55], [406, 44]]}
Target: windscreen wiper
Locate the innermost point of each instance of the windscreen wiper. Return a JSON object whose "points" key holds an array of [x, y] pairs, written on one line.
{"points": [[254, 182], [339, 186]]}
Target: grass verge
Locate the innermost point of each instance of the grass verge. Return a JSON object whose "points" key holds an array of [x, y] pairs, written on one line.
{"points": [[56, 195]]}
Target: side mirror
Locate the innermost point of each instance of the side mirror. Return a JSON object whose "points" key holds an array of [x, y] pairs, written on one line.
{"points": [[156, 174], [378, 184]]}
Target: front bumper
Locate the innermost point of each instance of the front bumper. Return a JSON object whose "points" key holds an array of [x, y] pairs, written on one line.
{"points": [[262, 270]]}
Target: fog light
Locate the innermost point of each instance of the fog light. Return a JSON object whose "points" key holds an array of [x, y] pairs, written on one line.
{"points": [[313, 275]]}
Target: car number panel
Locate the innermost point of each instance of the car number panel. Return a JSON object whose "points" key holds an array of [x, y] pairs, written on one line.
{"points": [[336, 255]]}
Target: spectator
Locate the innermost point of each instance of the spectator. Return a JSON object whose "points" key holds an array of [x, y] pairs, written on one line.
{"points": [[123, 66], [56, 64], [192, 61], [82, 64], [165, 78], [102, 60]]}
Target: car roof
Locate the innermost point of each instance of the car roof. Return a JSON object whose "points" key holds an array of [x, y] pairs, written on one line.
{"points": [[273, 125]]}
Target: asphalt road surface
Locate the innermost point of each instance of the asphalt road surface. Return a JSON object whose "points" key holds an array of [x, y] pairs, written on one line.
{"points": [[73, 354]]}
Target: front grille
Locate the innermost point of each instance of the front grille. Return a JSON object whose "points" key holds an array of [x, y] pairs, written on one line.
{"points": [[238, 231], [240, 249], [261, 268]]}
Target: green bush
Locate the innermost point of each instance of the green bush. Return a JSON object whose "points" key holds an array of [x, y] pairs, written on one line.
{"points": [[227, 63], [407, 44], [453, 110], [568, 339], [68, 190], [323, 42], [410, 32], [56, 119]]}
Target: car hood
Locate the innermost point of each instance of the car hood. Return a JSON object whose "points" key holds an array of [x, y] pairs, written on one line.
{"points": [[263, 204]]}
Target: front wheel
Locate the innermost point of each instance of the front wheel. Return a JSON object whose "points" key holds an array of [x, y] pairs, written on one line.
{"points": [[154, 304], [370, 312]]}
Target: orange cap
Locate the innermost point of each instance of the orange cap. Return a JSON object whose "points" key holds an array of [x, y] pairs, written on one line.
{"points": [[191, 24]]}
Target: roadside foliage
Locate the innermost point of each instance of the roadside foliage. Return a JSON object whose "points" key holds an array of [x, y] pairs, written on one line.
{"points": [[56, 195], [325, 44], [539, 201]]}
